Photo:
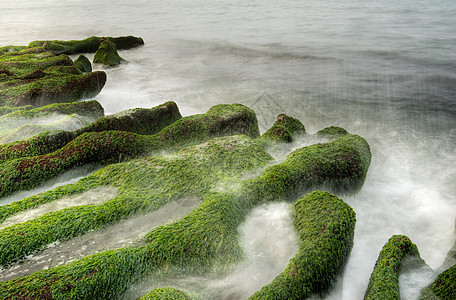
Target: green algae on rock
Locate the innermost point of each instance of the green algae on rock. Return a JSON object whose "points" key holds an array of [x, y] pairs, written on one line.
{"points": [[165, 293], [384, 280], [37, 77], [443, 288], [91, 109], [140, 120], [113, 146], [144, 121], [83, 64], [4, 110], [284, 129], [143, 185], [89, 45], [326, 228], [52, 89], [107, 54], [204, 241], [340, 165], [332, 132], [67, 122]]}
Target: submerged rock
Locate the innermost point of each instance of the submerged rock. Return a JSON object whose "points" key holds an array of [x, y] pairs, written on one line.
{"points": [[107, 54], [384, 280], [326, 227], [83, 64]]}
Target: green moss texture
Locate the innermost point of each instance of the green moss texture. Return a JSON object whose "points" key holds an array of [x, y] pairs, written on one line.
{"points": [[326, 226], [37, 77], [384, 280], [443, 288], [114, 146], [83, 64], [284, 129], [106, 54], [204, 241], [89, 45], [165, 293], [140, 120]]}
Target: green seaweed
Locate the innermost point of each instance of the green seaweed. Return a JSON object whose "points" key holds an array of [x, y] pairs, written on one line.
{"points": [[142, 121], [88, 45], [143, 185], [107, 54], [4, 110], [384, 280], [332, 132], [165, 293], [326, 226], [68, 122], [91, 109], [284, 129], [83, 64], [113, 146], [138, 120], [443, 288], [37, 77], [204, 241], [51, 89]]}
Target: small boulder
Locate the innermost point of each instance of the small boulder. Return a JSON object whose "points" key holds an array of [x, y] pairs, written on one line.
{"points": [[83, 64], [107, 54]]}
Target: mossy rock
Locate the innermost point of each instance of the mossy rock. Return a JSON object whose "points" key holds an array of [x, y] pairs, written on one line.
{"points": [[38, 77], [144, 121], [284, 129], [11, 48], [443, 288], [140, 120], [165, 293], [67, 122], [91, 109], [204, 241], [332, 132], [22, 124], [4, 110], [143, 185], [338, 166], [83, 64], [326, 227], [113, 146], [107, 54], [384, 280], [89, 45]]}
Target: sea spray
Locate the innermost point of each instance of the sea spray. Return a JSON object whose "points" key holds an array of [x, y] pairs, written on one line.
{"points": [[93, 197], [124, 233], [66, 178], [268, 239]]}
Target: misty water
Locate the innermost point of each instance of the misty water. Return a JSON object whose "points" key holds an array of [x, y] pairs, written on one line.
{"points": [[124, 233], [382, 69]]}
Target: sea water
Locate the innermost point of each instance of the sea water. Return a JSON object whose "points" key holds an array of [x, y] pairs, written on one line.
{"points": [[385, 70]]}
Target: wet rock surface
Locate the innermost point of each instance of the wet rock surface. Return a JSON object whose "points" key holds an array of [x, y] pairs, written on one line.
{"points": [[153, 157]]}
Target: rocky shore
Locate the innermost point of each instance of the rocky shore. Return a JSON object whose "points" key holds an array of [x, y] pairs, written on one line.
{"points": [[153, 156]]}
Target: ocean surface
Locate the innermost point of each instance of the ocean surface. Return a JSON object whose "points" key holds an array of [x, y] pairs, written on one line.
{"points": [[385, 70]]}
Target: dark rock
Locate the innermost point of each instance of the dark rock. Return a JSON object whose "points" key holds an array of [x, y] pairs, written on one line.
{"points": [[83, 64], [107, 54]]}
